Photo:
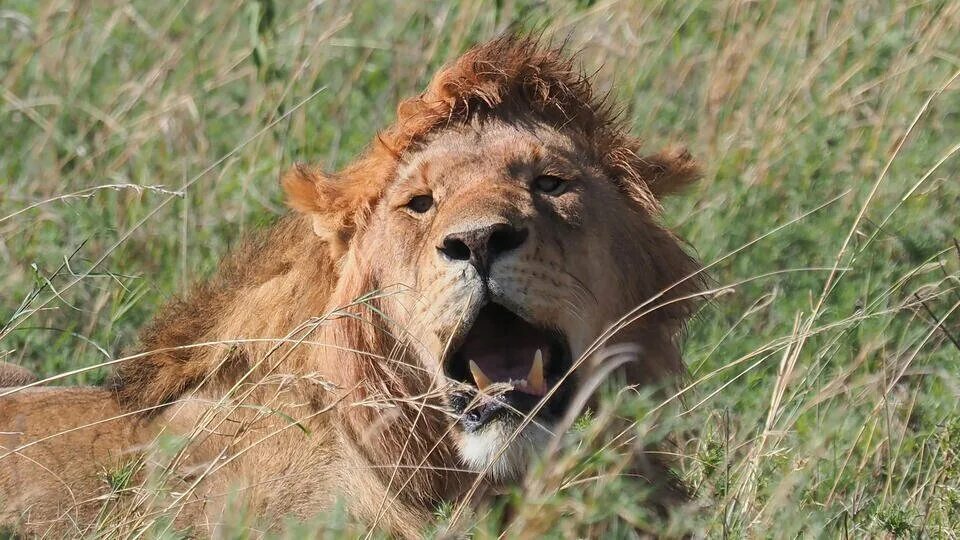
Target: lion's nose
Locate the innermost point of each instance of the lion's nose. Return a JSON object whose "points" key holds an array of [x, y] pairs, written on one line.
{"points": [[482, 246]]}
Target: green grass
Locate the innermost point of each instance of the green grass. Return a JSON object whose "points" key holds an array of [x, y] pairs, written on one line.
{"points": [[822, 403]]}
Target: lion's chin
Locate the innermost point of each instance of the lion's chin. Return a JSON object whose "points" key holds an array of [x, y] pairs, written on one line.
{"points": [[504, 456]]}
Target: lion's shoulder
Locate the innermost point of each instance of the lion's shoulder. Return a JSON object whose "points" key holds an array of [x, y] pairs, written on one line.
{"points": [[255, 286]]}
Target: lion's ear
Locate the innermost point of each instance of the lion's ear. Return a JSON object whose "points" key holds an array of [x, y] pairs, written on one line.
{"points": [[332, 203], [668, 171]]}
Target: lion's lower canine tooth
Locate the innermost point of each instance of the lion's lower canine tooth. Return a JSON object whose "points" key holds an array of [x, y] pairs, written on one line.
{"points": [[535, 378], [478, 376]]}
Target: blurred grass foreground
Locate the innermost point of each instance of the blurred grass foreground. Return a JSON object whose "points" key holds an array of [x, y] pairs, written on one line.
{"points": [[139, 140]]}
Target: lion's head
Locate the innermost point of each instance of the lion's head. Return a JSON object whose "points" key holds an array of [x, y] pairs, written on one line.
{"points": [[510, 222]]}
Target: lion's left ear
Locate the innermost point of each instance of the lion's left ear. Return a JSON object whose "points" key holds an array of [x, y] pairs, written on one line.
{"points": [[667, 172], [334, 203]]}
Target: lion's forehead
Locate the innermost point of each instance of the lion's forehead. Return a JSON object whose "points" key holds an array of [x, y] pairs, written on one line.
{"points": [[494, 147]]}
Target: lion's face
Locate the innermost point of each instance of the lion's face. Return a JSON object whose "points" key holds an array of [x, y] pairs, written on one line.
{"points": [[510, 250]]}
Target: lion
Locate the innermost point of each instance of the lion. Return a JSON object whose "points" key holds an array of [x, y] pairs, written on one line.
{"points": [[420, 325]]}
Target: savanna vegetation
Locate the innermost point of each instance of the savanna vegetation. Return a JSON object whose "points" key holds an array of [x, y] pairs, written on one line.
{"points": [[140, 140]]}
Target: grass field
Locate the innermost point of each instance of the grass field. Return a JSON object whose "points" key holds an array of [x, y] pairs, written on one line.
{"points": [[139, 141]]}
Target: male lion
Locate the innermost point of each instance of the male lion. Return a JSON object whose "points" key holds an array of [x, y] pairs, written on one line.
{"points": [[429, 313]]}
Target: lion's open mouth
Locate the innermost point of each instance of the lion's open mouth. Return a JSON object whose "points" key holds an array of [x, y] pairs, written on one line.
{"points": [[513, 364]]}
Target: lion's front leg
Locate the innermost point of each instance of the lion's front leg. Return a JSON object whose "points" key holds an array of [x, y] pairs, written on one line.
{"points": [[62, 453]]}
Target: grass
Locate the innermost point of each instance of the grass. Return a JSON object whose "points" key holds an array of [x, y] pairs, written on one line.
{"points": [[140, 140]]}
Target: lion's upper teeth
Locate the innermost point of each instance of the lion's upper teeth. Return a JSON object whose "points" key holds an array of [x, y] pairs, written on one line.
{"points": [[478, 376], [535, 381]]}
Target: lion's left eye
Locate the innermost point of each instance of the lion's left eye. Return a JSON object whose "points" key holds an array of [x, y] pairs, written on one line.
{"points": [[420, 203], [549, 184]]}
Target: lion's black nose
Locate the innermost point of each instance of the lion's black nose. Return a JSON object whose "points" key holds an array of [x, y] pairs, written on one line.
{"points": [[482, 246]]}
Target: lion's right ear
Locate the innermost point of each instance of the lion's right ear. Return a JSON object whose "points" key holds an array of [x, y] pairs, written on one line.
{"points": [[333, 203], [669, 171]]}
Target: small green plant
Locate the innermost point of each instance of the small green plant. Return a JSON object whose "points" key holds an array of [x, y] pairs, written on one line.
{"points": [[120, 478], [896, 521]]}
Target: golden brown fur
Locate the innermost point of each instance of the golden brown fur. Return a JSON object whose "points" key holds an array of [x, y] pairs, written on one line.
{"points": [[14, 375], [276, 379]]}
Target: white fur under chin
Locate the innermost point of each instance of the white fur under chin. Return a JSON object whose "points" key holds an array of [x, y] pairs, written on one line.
{"points": [[478, 449]]}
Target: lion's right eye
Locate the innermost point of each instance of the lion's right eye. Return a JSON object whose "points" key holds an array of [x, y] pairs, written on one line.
{"points": [[549, 184], [420, 203]]}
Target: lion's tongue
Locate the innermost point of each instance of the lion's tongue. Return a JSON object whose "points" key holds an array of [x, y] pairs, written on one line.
{"points": [[503, 346]]}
